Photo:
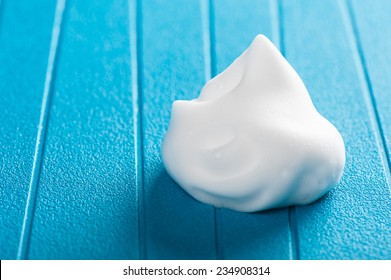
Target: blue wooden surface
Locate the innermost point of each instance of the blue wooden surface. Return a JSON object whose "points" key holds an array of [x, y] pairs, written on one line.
{"points": [[353, 220], [85, 99]]}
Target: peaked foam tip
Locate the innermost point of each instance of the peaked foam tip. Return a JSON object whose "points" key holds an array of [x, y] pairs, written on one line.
{"points": [[262, 44]]}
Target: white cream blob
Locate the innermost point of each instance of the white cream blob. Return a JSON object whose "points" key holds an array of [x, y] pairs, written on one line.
{"points": [[253, 140]]}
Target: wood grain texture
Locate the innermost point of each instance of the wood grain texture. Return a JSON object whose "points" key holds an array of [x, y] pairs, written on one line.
{"points": [[101, 189]]}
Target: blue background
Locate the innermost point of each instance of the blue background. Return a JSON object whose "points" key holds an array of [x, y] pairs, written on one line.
{"points": [[86, 89]]}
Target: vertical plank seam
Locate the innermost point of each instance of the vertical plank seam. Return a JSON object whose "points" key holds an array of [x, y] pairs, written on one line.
{"points": [[279, 40], [135, 56], [365, 83], [25, 235], [207, 18]]}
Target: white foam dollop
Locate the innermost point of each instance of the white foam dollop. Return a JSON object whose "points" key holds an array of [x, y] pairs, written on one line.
{"points": [[253, 139]]}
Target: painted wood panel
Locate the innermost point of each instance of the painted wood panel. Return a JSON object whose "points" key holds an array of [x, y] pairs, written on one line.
{"points": [[85, 97], [352, 221], [172, 67], [25, 36], [87, 203]]}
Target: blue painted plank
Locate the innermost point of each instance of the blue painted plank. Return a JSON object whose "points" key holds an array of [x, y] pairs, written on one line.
{"points": [[24, 47], [353, 220], [87, 203], [263, 235], [371, 20], [175, 226]]}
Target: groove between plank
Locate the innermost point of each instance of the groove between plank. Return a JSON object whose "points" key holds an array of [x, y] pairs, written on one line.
{"points": [[278, 38], [365, 82], [136, 64], [207, 17], [41, 133]]}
